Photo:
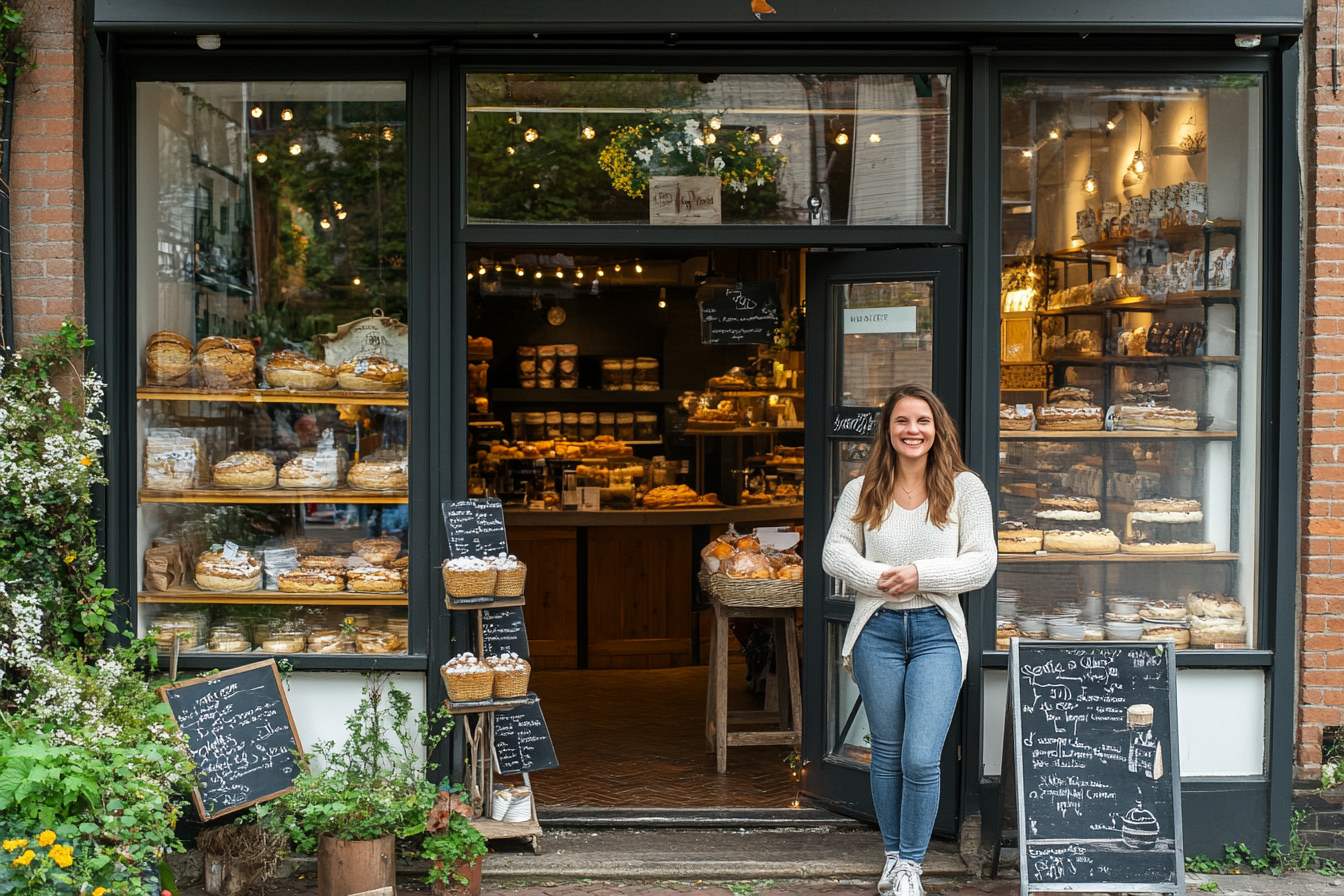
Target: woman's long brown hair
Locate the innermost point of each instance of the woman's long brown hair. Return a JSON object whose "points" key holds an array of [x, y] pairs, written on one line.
{"points": [[944, 463]]}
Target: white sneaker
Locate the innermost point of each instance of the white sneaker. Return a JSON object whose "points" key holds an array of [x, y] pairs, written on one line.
{"points": [[887, 882], [908, 879]]}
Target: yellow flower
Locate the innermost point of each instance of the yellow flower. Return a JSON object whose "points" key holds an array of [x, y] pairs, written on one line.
{"points": [[28, 856], [99, 891], [11, 845], [86, 461], [69, 558], [62, 855], [46, 838]]}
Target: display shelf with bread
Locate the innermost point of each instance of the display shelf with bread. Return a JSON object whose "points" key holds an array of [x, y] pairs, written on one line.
{"points": [[272, 396], [208, 495], [273, 597]]}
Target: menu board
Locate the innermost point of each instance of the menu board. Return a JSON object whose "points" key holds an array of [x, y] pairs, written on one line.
{"points": [[746, 314], [504, 631], [522, 741], [475, 528], [853, 423], [240, 734], [1098, 782]]}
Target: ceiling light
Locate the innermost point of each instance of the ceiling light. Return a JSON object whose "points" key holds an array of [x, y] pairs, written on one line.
{"points": [[874, 138], [1110, 125], [616, 268], [261, 158], [841, 139], [662, 304], [256, 111], [1090, 182], [1054, 133], [388, 134], [469, 275], [601, 273], [481, 270], [295, 148], [578, 275], [639, 268], [509, 150], [1026, 153], [341, 215], [326, 225], [356, 281], [518, 271], [287, 114], [530, 134], [498, 268], [538, 275]]}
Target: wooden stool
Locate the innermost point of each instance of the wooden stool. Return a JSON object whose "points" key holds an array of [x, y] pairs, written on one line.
{"points": [[789, 716]]}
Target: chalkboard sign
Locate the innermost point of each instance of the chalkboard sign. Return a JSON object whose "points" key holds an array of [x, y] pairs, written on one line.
{"points": [[854, 423], [241, 737], [522, 742], [504, 631], [745, 314], [475, 528], [1098, 777]]}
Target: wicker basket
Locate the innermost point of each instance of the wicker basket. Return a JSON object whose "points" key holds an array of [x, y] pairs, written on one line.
{"points": [[510, 582], [470, 687], [474, 583], [753, 592], [513, 683]]}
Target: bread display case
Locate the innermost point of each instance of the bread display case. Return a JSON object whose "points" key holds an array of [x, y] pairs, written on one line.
{"points": [[272, 402], [1131, 316]]}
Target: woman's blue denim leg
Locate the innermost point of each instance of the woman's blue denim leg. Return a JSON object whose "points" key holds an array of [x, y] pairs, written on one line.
{"points": [[908, 669]]}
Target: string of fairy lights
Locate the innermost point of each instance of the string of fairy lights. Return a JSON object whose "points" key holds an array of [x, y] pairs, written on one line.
{"points": [[578, 273]]}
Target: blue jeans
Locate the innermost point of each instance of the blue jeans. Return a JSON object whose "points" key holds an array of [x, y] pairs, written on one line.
{"points": [[908, 669]]}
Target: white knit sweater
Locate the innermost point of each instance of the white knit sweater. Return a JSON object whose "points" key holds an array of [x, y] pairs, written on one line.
{"points": [[957, 558]]}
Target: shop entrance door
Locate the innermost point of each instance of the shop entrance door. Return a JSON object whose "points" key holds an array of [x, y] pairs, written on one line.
{"points": [[875, 320]]}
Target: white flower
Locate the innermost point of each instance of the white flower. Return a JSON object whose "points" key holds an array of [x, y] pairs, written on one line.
{"points": [[718, 163], [644, 153]]}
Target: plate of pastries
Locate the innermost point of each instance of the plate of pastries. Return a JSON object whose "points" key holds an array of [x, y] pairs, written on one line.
{"points": [[745, 557]]}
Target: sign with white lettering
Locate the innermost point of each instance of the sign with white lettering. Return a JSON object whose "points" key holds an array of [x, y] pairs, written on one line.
{"points": [[746, 314], [1098, 777], [522, 741], [684, 200], [368, 337], [880, 320], [855, 424]]}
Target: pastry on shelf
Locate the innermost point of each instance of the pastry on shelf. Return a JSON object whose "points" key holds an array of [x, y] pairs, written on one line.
{"points": [[1015, 418], [748, 499], [1004, 633], [373, 579], [1154, 417], [1081, 541], [678, 496], [1053, 417], [1071, 397], [375, 640], [378, 551], [1167, 510], [216, 572], [1083, 479], [284, 642], [168, 360], [480, 346], [227, 363], [1149, 546], [294, 370], [1214, 605], [786, 493], [184, 630], [172, 460], [735, 380], [228, 641], [337, 563], [330, 640], [1163, 609], [378, 474], [1070, 508], [372, 374], [403, 567], [1018, 537], [1211, 631], [319, 470], [245, 469], [310, 581], [1176, 633], [607, 446]]}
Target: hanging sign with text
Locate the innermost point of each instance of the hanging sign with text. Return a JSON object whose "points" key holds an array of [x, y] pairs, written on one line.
{"points": [[685, 200], [746, 314], [857, 424], [880, 320]]}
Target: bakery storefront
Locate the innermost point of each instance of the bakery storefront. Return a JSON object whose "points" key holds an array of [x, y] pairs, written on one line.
{"points": [[643, 280]]}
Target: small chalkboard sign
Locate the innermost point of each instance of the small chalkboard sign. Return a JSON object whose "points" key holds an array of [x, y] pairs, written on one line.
{"points": [[853, 423], [240, 734], [522, 741], [1097, 764], [504, 631], [475, 528], [746, 314]]}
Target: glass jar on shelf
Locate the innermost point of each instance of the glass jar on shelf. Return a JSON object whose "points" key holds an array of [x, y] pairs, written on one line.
{"points": [[625, 426], [606, 424], [587, 426], [646, 427]]}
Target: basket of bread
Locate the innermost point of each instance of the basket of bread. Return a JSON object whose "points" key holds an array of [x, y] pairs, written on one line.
{"points": [[740, 571]]}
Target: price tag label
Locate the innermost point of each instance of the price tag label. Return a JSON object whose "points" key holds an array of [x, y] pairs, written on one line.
{"points": [[230, 551], [1023, 410], [362, 366]]}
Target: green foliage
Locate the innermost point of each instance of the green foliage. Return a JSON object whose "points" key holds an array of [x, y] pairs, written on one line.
{"points": [[459, 844], [1208, 887], [1296, 855], [50, 462], [37, 862], [14, 57], [371, 786]]}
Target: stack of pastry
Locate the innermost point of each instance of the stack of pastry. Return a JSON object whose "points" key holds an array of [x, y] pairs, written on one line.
{"points": [[317, 469], [403, 567], [371, 374], [1055, 417], [285, 641], [1165, 526], [227, 363], [245, 469], [1070, 397], [1082, 541], [333, 562], [294, 370], [1067, 508], [745, 558], [1015, 417], [172, 460], [678, 496], [229, 638], [378, 474], [373, 579], [186, 632], [1018, 537], [217, 572], [1215, 619], [1165, 621], [378, 551], [168, 360], [310, 581], [1154, 417], [375, 640], [330, 640]]}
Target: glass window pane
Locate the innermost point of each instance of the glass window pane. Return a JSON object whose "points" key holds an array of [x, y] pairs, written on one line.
{"points": [[772, 149], [1131, 321], [885, 332], [847, 738], [271, 314]]}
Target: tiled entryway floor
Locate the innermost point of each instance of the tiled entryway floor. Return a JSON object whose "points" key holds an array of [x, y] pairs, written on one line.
{"points": [[636, 739]]}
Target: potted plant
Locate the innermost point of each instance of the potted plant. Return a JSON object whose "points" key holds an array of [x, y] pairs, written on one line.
{"points": [[456, 850], [358, 797]]}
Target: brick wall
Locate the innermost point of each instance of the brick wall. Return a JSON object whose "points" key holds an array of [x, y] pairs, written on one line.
{"points": [[47, 171], [1321, 684]]}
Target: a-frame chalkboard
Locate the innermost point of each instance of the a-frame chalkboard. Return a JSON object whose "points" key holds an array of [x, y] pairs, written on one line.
{"points": [[1098, 767]]}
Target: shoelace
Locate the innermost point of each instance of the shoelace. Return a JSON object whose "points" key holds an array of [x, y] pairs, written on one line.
{"points": [[889, 880]]}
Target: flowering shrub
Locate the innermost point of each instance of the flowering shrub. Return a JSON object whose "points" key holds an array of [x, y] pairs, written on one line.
{"points": [[50, 461], [678, 144], [37, 865]]}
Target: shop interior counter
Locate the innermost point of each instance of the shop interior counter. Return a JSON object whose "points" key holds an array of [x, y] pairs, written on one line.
{"points": [[671, 516]]}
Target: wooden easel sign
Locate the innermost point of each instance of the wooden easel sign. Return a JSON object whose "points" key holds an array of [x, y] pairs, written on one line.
{"points": [[1098, 768]]}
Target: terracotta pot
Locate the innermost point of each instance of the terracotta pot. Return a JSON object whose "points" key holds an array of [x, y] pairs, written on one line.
{"points": [[355, 866], [470, 870]]}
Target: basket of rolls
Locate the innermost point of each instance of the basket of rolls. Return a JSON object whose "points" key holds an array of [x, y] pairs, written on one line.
{"points": [[468, 679], [511, 674], [739, 571]]}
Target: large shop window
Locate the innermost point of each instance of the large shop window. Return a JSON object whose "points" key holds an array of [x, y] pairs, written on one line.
{"points": [[271, 306], [1131, 349], [707, 149]]}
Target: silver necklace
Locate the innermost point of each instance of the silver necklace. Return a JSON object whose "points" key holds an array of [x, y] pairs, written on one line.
{"points": [[909, 495]]}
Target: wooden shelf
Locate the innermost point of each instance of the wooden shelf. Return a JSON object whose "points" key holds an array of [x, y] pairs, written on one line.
{"points": [[671, 516], [1067, 435], [1062, 557], [503, 830], [269, 496], [483, 603], [743, 431], [759, 393], [1182, 235], [1144, 360], [1143, 303], [272, 396], [191, 595], [585, 396]]}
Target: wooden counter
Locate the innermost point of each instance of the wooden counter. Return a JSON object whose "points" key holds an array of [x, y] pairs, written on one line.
{"points": [[612, 589]]}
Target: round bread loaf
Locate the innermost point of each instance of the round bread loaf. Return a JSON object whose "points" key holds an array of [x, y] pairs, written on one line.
{"points": [[245, 469], [373, 579], [1205, 603], [168, 358], [310, 581], [1082, 541], [215, 572], [226, 363], [293, 370], [371, 375]]}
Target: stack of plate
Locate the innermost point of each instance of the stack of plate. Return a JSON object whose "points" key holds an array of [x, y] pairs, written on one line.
{"points": [[1123, 631], [1007, 603]]}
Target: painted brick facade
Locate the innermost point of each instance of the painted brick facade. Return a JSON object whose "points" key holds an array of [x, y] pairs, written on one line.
{"points": [[47, 171]]}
